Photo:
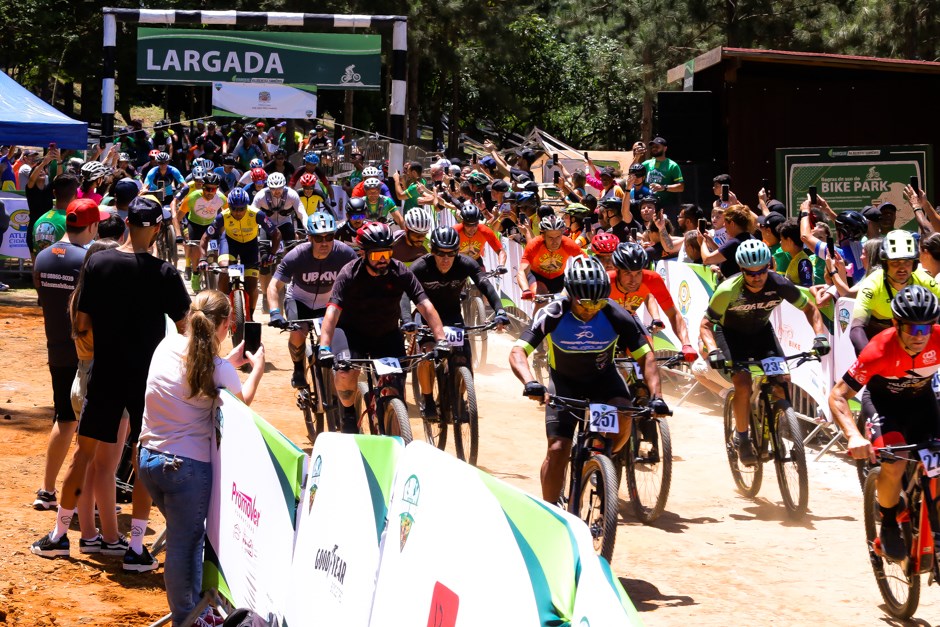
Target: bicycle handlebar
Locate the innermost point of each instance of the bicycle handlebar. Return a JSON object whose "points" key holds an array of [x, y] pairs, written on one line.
{"points": [[407, 362], [562, 402], [802, 357], [662, 361], [888, 453]]}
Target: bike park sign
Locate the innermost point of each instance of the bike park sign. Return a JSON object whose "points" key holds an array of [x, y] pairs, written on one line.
{"points": [[853, 177], [193, 56]]}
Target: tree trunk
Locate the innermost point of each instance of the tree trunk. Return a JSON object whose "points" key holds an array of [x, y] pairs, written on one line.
{"points": [[68, 99]]}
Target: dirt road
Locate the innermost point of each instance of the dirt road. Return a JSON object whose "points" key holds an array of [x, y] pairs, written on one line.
{"points": [[713, 558]]}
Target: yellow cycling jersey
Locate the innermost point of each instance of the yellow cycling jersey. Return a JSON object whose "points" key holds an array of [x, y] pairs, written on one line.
{"points": [[311, 204], [244, 230]]}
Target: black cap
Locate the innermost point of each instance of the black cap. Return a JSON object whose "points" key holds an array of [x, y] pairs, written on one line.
{"points": [[500, 186], [607, 171], [872, 213], [887, 206], [771, 220], [659, 140], [528, 155], [125, 191], [144, 211], [776, 206]]}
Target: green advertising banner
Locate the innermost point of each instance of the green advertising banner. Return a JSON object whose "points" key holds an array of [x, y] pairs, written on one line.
{"points": [[854, 177], [193, 56]]}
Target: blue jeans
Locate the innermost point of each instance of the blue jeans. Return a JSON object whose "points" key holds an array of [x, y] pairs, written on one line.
{"points": [[182, 496]]}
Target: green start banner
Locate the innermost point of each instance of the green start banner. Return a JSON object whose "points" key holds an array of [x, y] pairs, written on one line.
{"points": [[193, 56], [854, 177]]}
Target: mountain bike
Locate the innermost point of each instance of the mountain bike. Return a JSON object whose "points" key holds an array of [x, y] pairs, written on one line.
{"points": [[317, 399], [474, 313], [899, 581], [266, 273], [166, 241], [774, 431], [208, 279], [237, 297], [592, 486]]}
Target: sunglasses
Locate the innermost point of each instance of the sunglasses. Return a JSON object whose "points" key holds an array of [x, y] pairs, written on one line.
{"points": [[210, 188], [592, 305], [760, 272], [380, 255], [358, 216], [322, 239], [915, 329], [448, 255]]}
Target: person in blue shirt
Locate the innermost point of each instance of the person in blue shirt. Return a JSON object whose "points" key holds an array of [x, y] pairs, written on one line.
{"points": [[228, 173], [164, 178]]}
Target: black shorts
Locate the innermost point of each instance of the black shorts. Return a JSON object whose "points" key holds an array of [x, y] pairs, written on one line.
{"points": [[905, 421], [296, 310], [602, 388], [246, 252], [748, 346], [109, 394], [359, 346], [287, 231], [552, 286], [62, 378], [196, 231]]}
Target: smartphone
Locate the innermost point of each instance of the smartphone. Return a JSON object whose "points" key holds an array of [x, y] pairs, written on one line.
{"points": [[252, 336], [453, 186], [633, 234], [812, 195], [478, 196], [52, 145], [586, 157], [831, 245], [725, 190], [702, 225], [557, 176], [765, 183], [474, 157], [915, 184], [555, 158]]}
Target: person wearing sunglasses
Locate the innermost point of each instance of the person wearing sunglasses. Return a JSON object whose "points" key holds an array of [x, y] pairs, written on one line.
{"points": [[355, 218], [308, 271], [412, 242], [542, 267], [896, 367], [366, 306], [737, 328], [582, 328], [201, 206]]}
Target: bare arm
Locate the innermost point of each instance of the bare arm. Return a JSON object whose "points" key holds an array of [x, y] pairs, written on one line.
{"points": [[926, 216], [274, 287], [678, 325], [432, 318], [519, 363], [522, 276], [706, 336], [814, 318], [651, 373], [250, 386]]}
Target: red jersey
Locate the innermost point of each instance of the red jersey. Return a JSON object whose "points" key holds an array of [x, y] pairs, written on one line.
{"points": [[473, 246], [888, 370], [546, 263], [652, 283]]}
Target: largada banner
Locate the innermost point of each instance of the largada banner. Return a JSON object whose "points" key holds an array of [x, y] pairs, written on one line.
{"points": [[854, 177], [193, 56], [264, 100]]}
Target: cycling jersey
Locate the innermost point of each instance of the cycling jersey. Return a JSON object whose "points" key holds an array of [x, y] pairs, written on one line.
{"points": [[229, 179], [371, 305], [651, 283], [244, 230], [382, 208], [444, 290], [359, 190], [165, 181], [310, 204], [890, 372], [405, 252], [873, 303], [347, 233], [201, 211], [309, 280], [188, 187], [546, 263], [472, 246], [580, 350], [279, 210], [733, 306]]}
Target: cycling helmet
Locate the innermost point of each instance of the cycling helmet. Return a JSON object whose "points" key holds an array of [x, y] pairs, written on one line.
{"points": [[916, 304], [238, 198], [527, 198], [229, 160], [153, 154], [852, 223], [585, 278], [258, 175], [375, 236], [477, 178], [630, 256], [370, 172], [276, 180], [612, 202], [637, 169], [604, 243], [201, 161], [311, 158], [123, 156], [308, 180], [163, 157], [417, 220], [471, 215], [355, 206], [255, 163], [211, 178], [648, 200], [752, 253], [577, 210], [372, 183], [551, 223], [199, 173], [445, 238], [93, 170], [898, 244], [321, 222]]}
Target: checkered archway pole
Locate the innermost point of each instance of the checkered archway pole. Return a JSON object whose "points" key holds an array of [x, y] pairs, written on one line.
{"points": [[245, 18]]}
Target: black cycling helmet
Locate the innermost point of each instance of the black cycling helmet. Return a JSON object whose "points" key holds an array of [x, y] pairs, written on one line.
{"points": [[612, 202], [630, 256], [585, 278], [445, 238], [356, 206], [211, 178], [851, 223], [916, 304], [375, 236], [471, 215]]}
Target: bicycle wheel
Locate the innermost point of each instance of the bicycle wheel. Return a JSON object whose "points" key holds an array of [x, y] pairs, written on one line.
{"points": [[330, 403], [172, 251], [597, 503], [790, 460], [396, 419], [747, 478], [649, 469], [477, 317], [466, 422], [304, 402], [435, 429], [898, 584], [862, 466], [238, 326]]}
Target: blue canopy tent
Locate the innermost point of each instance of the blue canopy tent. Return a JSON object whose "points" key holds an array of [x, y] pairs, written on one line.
{"points": [[25, 120]]}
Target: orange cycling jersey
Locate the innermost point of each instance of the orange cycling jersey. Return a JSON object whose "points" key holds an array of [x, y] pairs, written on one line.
{"points": [[652, 284], [472, 246], [546, 263]]}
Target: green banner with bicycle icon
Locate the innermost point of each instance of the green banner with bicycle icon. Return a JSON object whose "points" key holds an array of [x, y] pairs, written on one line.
{"points": [[200, 56]]}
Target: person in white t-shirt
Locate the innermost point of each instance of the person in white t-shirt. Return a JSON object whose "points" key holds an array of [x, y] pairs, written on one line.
{"points": [[183, 385]]}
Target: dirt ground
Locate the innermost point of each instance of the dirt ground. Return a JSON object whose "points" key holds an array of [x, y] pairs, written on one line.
{"points": [[713, 558]]}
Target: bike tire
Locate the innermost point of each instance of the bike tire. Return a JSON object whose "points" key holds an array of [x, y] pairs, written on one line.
{"points": [[747, 478], [171, 249], [397, 421], [305, 401], [862, 466], [466, 420], [597, 504], [333, 409], [899, 585], [790, 460], [239, 308], [649, 481], [478, 346], [435, 432]]}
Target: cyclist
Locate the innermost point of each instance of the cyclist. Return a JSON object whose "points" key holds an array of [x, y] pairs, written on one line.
{"points": [[411, 243], [896, 367], [736, 328], [163, 178], [370, 172], [582, 329], [311, 196], [259, 179], [281, 204], [475, 236], [249, 175], [443, 274], [603, 246], [200, 207], [311, 161], [575, 217], [228, 173], [380, 207], [542, 267], [633, 283], [309, 271], [237, 229], [355, 219], [365, 305]]}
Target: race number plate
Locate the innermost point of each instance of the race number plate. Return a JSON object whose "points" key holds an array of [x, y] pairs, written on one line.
{"points": [[604, 418], [236, 270], [454, 336], [774, 366], [386, 365], [931, 461], [317, 323], [213, 245]]}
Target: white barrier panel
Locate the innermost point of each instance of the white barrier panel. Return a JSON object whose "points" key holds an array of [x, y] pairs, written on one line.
{"points": [[250, 528], [510, 292], [339, 526], [13, 242], [842, 349], [796, 335], [691, 287]]}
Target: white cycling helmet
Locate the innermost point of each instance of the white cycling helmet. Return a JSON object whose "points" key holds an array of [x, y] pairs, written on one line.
{"points": [[898, 244], [199, 173], [93, 170], [372, 183], [276, 180], [752, 253], [417, 220], [370, 172], [255, 163]]}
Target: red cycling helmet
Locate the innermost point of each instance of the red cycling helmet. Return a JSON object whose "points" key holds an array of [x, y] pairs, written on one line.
{"points": [[153, 154], [308, 180], [258, 175], [604, 243]]}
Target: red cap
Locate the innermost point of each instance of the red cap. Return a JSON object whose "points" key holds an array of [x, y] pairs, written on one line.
{"points": [[83, 212]]}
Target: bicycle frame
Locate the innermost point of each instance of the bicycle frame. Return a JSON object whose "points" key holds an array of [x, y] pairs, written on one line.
{"points": [[382, 388], [316, 395]]}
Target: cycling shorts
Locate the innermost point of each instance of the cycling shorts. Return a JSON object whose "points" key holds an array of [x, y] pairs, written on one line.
{"points": [[196, 231], [288, 234], [905, 421], [602, 388], [295, 310], [552, 286], [247, 252], [739, 346]]}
